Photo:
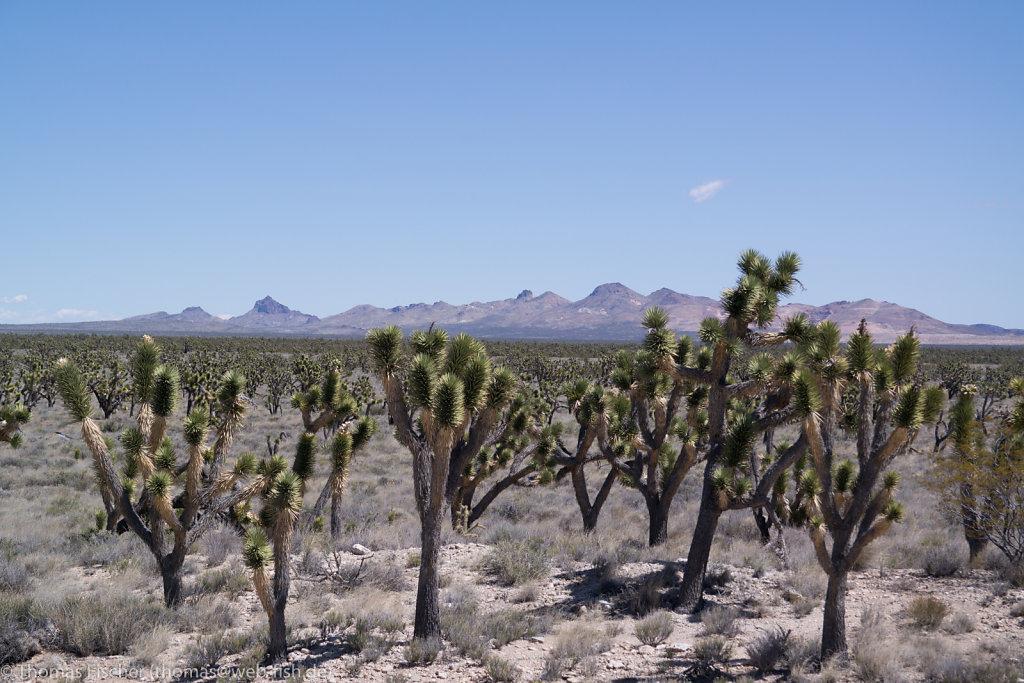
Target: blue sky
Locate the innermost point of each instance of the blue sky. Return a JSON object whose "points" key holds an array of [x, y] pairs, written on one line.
{"points": [[155, 156]]}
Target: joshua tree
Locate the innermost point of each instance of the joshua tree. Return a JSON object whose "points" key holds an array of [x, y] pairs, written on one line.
{"points": [[522, 451], [967, 438], [729, 482], [11, 419], [983, 479], [588, 404], [845, 498], [644, 416], [336, 409], [449, 405], [150, 459]]}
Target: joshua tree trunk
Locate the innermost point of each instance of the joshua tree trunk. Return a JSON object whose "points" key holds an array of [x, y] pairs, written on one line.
{"points": [[337, 523], [591, 511], [658, 527], [691, 594], [976, 540], [170, 571], [428, 614], [833, 632]]}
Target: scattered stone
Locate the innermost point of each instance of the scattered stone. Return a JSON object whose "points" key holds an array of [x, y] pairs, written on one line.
{"points": [[537, 639], [615, 664], [359, 549]]}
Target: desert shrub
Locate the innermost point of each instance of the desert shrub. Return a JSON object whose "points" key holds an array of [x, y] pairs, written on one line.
{"points": [[22, 624], [655, 628], [206, 651], [103, 624], [147, 649], [877, 663], [232, 580], [801, 652], [204, 615], [939, 562], [471, 631], [717, 577], [709, 653], [767, 649], [528, 593], [959, 623], [646, 597], [956, 668], [720, 621], [421, 651], [1013, 574], [1017, 610], [926, 611], [513, 563], [386, 576], [217, 544], [501, 670], [577, 645], [13, 575]]}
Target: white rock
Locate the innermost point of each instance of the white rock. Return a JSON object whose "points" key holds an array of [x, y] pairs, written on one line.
{"points": [[537, 639], [360, 549], [615, 664], [680, 646], [646, 650]]}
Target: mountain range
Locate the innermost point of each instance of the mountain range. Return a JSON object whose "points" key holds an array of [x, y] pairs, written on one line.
{"points": [[610, 313]]}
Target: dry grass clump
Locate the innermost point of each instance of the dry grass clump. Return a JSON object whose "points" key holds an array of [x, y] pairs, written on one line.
{"points": [[22, 627], [421, 651], [473, 631], [231, 580], [940, 562], [926, 611], [768, 649], [206, 651], [720, 621], [655, 628], [942, 665], [876, 657], [501, 670], [577, 646], [105, 623], [959, 623], [515, 562], [709, 654]]}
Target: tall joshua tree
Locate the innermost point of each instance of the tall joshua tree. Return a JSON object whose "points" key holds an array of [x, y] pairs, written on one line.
{"points": [[645, 417], [11, 419], [268, 540], [167, 524], [588, 403], [853, 501], [330, 406], [446, 405], [727, 447]]}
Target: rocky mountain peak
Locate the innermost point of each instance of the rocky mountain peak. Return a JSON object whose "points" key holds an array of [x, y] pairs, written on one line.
{"points": [[269, 306]]}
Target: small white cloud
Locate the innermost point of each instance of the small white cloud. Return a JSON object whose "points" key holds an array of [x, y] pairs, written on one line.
{"points": [[76, 313], [704, 192], [16, 299]]}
